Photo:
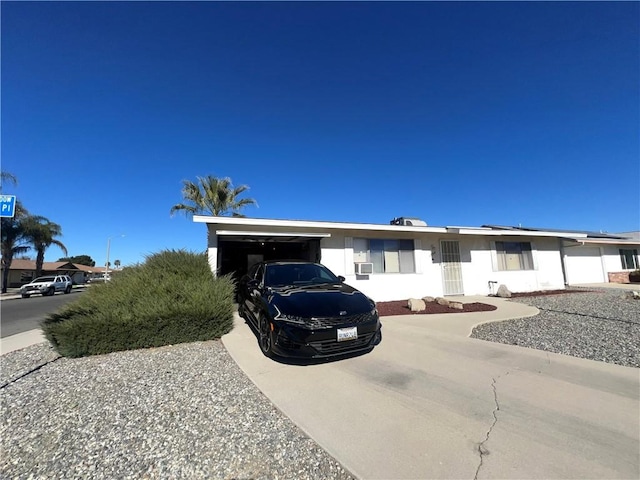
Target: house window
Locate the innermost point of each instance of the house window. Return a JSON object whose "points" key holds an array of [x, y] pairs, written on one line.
{"points": [[387, 256], [629, 259], [514, 256]]}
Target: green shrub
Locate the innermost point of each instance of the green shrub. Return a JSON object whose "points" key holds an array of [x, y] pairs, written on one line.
{"points": [[170, 298]]}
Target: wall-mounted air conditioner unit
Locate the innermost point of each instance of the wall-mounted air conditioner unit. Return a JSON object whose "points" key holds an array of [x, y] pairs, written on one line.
{"points": [[364, 268]]}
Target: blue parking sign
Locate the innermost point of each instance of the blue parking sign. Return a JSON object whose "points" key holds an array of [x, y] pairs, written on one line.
{"points": [[7, 205]]}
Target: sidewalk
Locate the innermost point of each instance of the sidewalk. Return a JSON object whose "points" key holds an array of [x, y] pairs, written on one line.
{"points": [[12, 294], [21, 340]]}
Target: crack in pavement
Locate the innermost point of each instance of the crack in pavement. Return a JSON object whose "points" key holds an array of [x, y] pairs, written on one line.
{"points": [[482, 450]]}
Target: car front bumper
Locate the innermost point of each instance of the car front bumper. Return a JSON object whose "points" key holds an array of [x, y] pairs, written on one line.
{"points": [[292, 341], [34, 290]]}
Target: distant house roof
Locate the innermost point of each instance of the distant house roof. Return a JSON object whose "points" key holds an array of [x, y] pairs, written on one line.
{"points": [[88, 269], [21, 264]]}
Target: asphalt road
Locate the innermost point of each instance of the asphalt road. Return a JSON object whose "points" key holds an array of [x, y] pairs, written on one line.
{"points": [[24, 314]]}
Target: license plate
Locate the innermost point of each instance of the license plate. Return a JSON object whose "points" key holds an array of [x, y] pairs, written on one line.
{"points": [[347, 334]]}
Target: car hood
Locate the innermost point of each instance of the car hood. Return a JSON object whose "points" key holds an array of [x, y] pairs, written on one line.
{"points": [[326, 300], [37, 284]]}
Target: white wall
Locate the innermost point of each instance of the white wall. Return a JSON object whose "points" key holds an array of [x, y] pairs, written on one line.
{"points": [[212, 248], [546, 275], [477, 258], [337, 255], [584, 264], [611, 257], [478, 268]]}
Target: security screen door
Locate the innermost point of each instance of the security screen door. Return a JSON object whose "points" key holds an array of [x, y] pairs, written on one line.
{"points": [[451, 267]]}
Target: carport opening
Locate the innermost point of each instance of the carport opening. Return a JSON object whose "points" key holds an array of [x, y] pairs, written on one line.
{"points": [[237, 256]]}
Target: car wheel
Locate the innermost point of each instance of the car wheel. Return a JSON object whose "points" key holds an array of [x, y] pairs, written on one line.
{"points": [[51, 291], [265, 337], [67, 290], [24, 295]]}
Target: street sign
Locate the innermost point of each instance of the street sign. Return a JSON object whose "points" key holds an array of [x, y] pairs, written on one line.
{"points": [[7, 205]]}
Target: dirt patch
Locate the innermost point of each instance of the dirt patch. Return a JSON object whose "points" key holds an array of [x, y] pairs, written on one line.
{"points": [[399, 307]]}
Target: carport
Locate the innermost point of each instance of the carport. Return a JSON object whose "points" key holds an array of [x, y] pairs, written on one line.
{"points": [[239, 250]]}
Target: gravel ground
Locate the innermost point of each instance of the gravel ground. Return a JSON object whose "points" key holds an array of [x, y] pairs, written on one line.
{"points": [[599, 325], [179, 412]]}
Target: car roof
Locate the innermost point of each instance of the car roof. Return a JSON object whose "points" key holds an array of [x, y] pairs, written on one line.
{"points": [[288, 262]]}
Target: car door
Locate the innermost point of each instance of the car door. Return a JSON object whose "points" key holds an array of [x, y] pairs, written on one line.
{"points": [[243, 285], [254, 291]]}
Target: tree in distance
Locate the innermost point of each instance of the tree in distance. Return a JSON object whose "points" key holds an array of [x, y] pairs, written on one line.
{"points": [[80, 260]]}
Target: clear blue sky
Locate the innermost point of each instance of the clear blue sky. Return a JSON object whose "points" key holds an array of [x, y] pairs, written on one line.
{"points": [[457, 113]]}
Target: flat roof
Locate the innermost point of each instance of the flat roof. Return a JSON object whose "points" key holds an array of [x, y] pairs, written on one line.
{"points": [[319, 225]]}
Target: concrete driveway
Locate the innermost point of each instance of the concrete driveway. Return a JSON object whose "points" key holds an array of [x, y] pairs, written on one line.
{"points": [[429, 402]]}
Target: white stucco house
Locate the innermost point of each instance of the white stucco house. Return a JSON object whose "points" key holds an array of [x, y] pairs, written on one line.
{"points": [[410, 259]]}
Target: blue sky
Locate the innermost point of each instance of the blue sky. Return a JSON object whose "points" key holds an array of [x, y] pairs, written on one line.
{"points": [[457, 113]]}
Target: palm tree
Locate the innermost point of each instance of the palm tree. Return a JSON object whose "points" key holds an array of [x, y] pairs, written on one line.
{"points": [[40, 233], [117, 263], [7, 177], [213, 196], [13, 240]]}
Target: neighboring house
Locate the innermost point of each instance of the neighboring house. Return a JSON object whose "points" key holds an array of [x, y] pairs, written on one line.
{"points": [[23, 271], [392, 262], [87, 273]]}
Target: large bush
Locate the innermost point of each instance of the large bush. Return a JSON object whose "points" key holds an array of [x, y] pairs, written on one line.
{"points": [[170, 298]]}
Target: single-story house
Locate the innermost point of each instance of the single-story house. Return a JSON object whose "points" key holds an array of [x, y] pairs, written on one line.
{"points": [[23, 271], [408, 258]]}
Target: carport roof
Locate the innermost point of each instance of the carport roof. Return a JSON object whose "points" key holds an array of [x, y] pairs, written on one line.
{"points": [[269, 236]]}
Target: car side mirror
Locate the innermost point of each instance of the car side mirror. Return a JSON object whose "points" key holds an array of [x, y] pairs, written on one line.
{"points": [[341, 278]]}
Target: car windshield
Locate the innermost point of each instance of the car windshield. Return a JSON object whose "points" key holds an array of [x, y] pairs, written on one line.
{"points": [[44, 279], [281, 274]]}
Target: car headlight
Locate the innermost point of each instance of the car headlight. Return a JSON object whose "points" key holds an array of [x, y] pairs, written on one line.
{"points": [[374, 308], [288, 318]]}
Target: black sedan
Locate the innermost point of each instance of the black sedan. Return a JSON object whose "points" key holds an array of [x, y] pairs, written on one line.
{"points": [[301, 309]]}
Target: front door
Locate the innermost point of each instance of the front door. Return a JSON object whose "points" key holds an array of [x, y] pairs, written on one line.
{"points": [[451, 267]]}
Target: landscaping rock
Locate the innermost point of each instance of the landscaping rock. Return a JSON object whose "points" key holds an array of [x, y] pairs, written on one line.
{"points": [[428, 299], [503, 292], [416, 305], [442, 301], [456, 305]]}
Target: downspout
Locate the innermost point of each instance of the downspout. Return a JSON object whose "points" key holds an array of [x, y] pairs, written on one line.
{"points": [[563, 259], [605, 275]]}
